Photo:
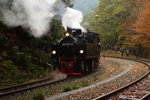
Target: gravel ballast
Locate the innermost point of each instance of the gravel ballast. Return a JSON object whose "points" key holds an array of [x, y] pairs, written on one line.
{"points": [[133, 71]]}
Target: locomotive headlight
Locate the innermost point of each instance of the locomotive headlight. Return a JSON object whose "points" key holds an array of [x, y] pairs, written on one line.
{"points": [[67, 34], [99, 43], [81, 51], [53, 52]]}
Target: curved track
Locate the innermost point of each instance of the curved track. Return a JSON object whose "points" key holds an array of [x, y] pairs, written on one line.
{"points": [[104, 87], [137, 90], [59, 77], [31, 85], [23, 88]]}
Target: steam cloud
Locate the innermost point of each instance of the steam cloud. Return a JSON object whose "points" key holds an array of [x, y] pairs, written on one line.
{"points": [[72, 18], [32, 14], [36, 15]]}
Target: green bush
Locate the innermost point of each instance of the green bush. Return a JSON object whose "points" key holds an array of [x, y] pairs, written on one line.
{"points": [[14, 54], [74, 87], [8, 72], [26, 49], [19, 58], [24, 59], [69, 88], [3, 56], [85, 83], [38, 95]]}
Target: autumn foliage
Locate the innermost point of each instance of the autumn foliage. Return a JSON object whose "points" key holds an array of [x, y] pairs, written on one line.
{"points": [[123, 24], [142, 26]]}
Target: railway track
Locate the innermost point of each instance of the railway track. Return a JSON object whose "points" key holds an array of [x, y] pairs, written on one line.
{"points": [[30, 86], [23, 88], [104, 87], [114, 95], [137, 90], [33, 85]]}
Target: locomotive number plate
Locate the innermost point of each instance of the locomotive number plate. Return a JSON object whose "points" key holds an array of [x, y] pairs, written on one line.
{"points": [[67, 44]]}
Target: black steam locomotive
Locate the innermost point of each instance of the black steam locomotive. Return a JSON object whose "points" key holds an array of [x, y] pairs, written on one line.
{"points": [[77, 52]]}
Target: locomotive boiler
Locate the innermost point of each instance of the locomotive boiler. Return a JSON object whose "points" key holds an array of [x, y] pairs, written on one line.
{"points": [[78, 52]]}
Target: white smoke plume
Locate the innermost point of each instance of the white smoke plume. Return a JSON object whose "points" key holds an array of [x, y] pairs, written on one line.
{"points": [[32, 14], [36, 15], [72, 18]]}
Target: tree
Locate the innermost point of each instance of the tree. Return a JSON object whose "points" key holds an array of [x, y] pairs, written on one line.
{"points": [[142, 26], [111, 20]]}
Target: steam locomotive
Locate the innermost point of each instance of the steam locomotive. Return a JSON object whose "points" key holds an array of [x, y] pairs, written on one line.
{"points": [[77, 52]]}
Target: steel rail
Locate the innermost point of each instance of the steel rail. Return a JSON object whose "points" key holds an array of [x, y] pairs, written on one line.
{"points": [[29, 87], [6, 91], [105, 96], [32, 85], [146, 97], [22, 85]]}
